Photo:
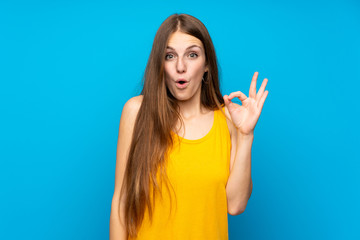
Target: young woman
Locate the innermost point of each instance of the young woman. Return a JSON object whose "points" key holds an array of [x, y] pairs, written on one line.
{"points": [[184, 150]]}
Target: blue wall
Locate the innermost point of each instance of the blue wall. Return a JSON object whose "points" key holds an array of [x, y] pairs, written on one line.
{"points": [[68, 67]]}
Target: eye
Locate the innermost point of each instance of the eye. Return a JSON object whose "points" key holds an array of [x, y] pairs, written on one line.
{"points": [[169, 56], [193, 55]]}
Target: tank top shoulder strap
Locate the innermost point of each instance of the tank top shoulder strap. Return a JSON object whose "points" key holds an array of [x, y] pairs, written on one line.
{"points": [[221, 118], [222, 127]]}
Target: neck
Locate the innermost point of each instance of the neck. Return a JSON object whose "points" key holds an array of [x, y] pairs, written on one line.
{"points": [[191, 108]]}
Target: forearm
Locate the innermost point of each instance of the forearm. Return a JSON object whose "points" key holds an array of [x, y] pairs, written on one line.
{"points": [[239, 185], [117, 228]]}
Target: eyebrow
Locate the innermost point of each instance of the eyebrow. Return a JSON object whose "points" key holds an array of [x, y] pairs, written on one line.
{"points": [[186, 48]]}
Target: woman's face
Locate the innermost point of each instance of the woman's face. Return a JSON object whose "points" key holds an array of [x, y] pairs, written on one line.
{"points": [[184, 66]]}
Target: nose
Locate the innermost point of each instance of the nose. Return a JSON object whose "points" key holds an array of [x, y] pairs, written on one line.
{"points": [[180, 65]]}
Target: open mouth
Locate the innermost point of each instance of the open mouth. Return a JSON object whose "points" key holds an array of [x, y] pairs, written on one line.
{"points": [[182, 84]]}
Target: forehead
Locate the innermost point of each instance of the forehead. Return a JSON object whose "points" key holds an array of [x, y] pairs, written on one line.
{"points": [[180, 41]]}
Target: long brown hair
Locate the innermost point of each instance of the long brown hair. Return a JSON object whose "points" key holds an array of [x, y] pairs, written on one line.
{"points": [[158, 116]]}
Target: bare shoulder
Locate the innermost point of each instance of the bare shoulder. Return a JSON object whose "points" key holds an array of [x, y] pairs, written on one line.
{"points": [[132, 106], [230, 124], [127, 122]]}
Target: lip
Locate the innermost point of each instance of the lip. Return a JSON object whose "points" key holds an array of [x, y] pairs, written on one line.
{"points": [[181, 79], [181, 86]]}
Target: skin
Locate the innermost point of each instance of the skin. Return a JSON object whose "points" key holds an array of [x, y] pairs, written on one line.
{"points": [[190, 64], [241, 126], [244, 118]]}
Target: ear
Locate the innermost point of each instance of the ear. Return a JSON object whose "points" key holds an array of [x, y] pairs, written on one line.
{"points": [[206, 69]]}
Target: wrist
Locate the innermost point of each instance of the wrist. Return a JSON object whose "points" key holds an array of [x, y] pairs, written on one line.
{"points": [[248, 136]]}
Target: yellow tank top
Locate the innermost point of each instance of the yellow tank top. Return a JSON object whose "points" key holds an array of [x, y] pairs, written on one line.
{"points": [[198, 171]]}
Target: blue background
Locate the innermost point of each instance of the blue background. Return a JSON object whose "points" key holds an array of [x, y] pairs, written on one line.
{"points": [[68, 67]]}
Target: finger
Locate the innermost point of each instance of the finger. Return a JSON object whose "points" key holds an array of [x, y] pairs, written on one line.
{"points": [[226, 100], [262, 100], [261, 89], [228, 103], [239, 95], [252, 91]]}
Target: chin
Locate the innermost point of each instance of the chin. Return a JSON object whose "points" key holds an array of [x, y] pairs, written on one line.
{"points": [[181, 98]]}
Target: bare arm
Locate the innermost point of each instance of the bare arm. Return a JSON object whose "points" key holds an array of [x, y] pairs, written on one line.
{"points": [[127, 121], [239, 185]]}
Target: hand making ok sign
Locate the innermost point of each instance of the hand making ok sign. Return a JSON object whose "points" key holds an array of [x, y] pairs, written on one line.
{"points": [[245, 116]]}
